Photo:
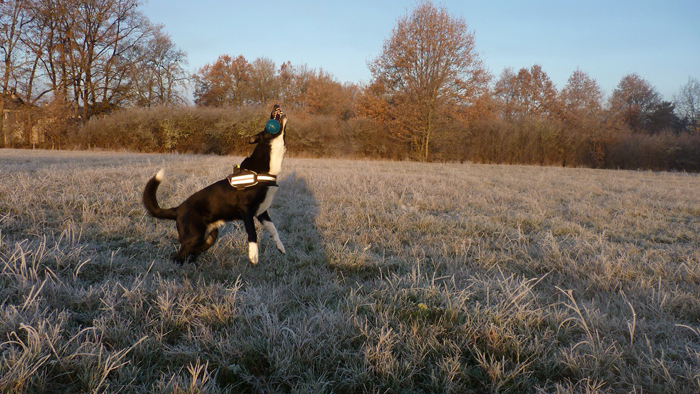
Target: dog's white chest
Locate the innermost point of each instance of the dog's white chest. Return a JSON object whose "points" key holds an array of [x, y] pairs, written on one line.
{"points": [[265, 205], [276, 155]]}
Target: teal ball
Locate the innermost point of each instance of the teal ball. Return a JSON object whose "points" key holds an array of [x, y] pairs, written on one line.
{"points": [[272, 126]]}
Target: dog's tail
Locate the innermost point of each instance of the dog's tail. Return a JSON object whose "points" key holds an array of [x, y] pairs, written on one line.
{"points": [[150, 201]]}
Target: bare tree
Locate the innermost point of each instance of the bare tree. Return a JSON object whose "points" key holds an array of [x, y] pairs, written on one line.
{"points": [[687, 103], [101, 32], [427, 68], [84, 51], [13, 19], [158, 74], [50, 41]]}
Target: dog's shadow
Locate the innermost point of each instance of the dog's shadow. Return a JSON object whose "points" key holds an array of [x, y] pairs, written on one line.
{"points": [[294, 213]]}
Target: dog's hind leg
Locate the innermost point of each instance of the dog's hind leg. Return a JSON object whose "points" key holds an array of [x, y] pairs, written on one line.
{"points": [[187, 252], [252, 236], [195, 237], [265, 220], [211, 239]]}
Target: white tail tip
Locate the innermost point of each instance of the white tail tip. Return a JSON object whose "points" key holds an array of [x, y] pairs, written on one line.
{"points": [[160, 174]]}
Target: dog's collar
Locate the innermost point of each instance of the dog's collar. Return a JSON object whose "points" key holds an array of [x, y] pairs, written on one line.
{"points": [[242, 178]]}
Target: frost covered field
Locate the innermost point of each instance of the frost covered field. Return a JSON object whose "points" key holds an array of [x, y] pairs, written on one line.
{"points": [[399, 277]]}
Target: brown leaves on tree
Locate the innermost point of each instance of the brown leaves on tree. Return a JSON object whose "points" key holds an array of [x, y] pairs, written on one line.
{"points": [[427, 73]]}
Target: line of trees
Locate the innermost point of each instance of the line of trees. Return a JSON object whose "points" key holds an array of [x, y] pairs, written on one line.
{"points": [[94, 55], [235, 82], [433, 99], [430, 96], [429, 77]]}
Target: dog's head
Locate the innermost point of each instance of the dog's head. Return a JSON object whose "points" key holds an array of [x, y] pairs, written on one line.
{"points": [[269, 135]]}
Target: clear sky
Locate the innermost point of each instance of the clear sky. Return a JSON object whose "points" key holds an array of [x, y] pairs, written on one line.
{"points": [[607, 39]]}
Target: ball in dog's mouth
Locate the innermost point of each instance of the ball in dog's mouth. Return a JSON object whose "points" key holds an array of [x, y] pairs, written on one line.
{"points": [[272, 126]]}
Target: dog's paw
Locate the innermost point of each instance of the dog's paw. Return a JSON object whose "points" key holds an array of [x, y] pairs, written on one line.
{"points": [[280, 247], [176, 258], [253, 252]]}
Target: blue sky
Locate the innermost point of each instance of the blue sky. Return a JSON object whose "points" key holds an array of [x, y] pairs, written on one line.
{"points": [[608, 39]]}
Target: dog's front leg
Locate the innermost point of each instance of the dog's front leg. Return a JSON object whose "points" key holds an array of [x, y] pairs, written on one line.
{"points": [[252, 237], [265, 220]]}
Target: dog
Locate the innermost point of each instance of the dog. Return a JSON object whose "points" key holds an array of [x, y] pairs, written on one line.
{"points": [[244, 195]]}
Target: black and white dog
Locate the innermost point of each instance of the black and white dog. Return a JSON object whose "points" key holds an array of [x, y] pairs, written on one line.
{"points": [[239, 197]]}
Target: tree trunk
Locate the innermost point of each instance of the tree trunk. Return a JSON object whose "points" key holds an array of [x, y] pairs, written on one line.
{"points": [[428, 132]]}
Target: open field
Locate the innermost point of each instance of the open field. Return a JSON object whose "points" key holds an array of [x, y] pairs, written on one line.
{"points": [[399, 277]]}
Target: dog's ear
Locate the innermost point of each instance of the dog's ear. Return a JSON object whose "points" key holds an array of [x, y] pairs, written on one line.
{"points": [[254, 139]]}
